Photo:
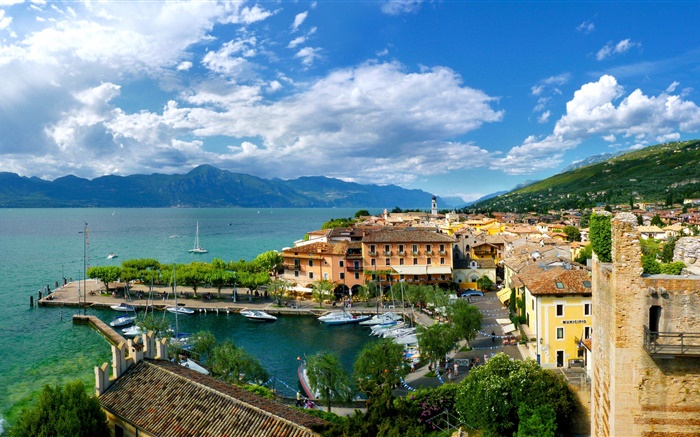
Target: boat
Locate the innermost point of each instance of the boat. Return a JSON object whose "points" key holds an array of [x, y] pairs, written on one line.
{"points": [[399, 332], [342, 317], [379, 330], [112, 255], [407, 340], [132, 331], [304, 381], [197, 248], [122, 321], [123, 307], [194, 366], [180, 310], [382, 319], [258, 316]]}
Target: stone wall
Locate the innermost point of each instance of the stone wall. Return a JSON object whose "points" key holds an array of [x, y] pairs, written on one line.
{"points": [[633, 393]]}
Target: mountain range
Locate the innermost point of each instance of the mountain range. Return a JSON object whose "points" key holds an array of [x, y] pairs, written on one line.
{"points": [[666, 173], [204, 186]]}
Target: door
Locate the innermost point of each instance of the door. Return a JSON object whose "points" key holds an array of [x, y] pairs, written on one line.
{"points": [[560, 358]]}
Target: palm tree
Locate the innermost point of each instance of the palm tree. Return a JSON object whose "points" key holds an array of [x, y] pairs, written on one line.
{"points": [[484, 283]]}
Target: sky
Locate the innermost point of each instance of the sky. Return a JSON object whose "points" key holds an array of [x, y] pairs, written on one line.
{"points": [[457, 98]]}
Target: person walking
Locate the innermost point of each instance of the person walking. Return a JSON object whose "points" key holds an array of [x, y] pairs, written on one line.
{"points": [[493, 336]]}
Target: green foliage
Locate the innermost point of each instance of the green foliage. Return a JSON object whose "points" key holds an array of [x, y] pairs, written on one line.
{"points": [[378, 364], [203, 346], [572, 233], [105, 274], [585, 254], [260, 390], [436, 340], [537, 422], [428, 405], [159, 325], [650, 265], [63, 411], [656, 221], [674, 268], [466, 320], [338, 223], [321, 290], [601, 236], [278, 289], [649, 246], [668, 248], [328, 378], [490, 396], [233, 365], [484, 283], [362, 213], [270, 261]]}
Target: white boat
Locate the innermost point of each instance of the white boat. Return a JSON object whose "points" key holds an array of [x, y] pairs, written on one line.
{"points": [[304, 381], [132, 331], [411, 339], [379, 330], [197, 248], [341, 317], [383, 319], [194, 366], [123, 307], [399, 332], [122, 321], [258, 316], [180, 310], [112, 255]]}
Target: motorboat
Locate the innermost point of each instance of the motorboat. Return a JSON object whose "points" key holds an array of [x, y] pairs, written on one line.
{"points": [[132, 331], [122, 321], [383, 319], [180, 310], [123, 307], [406, 340], [379, 330], [342, 317], [258, 316], [399, 332], [112, 255]]}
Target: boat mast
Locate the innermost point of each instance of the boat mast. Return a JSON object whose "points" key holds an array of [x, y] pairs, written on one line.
{"points": [[175, 293]]}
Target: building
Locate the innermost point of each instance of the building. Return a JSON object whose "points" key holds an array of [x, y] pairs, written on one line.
{"points": [[148, 396], [645, 346]]}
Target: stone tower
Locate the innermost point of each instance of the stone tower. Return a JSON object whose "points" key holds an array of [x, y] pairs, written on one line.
{"points": [[433, 207], [645, 345]]}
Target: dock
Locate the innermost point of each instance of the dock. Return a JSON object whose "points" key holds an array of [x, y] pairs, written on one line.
{"points": [[112, 336]]}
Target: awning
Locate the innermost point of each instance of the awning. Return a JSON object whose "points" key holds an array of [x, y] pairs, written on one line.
{"points": [[410, 270], [503, 321], [503, 295], [299, 289], [439, 270], [509, 328]]}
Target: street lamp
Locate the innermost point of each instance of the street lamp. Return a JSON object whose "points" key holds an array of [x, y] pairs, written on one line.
{"points": [[85, 240]]}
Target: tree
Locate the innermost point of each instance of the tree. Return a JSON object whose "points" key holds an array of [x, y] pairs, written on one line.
{"points": [[328, 378], [668, 248], [540, 421], [572, 233], [63, 411], [436, 341], [466, 320], [656, 221], [192, 274], [219, 275], [362, 213], [321, 290], [105, 274], [585, 254], [674, 268], [159, 325], [203, 346], [491, 395], [484, 283], [234, 365], [270, 261], [278, 289], [378, 364], [601, 236]]}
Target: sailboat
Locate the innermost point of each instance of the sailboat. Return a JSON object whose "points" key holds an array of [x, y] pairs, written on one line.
{"points": [[197, 248]]}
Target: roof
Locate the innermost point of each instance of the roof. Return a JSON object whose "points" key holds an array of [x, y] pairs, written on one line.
{"points": [[555, 280], [406, 235], [165, 399]]}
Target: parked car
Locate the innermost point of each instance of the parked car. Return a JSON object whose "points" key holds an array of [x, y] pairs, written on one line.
{"points": [[470, 293]]}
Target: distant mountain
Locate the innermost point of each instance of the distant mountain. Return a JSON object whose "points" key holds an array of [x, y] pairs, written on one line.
{"points": [[204, 186], [591, 160], [666, 173]]}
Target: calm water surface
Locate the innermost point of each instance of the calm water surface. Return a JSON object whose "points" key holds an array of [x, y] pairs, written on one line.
{"points": [[38, 246]]}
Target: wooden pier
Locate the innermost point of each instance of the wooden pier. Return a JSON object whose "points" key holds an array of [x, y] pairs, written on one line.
{"points": [[110, 334]]}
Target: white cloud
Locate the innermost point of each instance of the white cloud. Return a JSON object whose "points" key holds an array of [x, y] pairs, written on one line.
{"points": [[4, 21], [184, 66], [299, 20], [544, 117], [616, 49], [308, 55], [296, 41], [396, 7], [230, 60], [234, 14], [593, 111], [586, 27], [671, 88]]}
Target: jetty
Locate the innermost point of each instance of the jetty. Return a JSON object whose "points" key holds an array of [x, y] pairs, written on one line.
{"points": [[112, 336]]}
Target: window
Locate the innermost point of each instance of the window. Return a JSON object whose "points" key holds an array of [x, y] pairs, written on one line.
{"points": [[341, 263], [415, 261], [386, 262], [357, 275], [325, 276], [428, 248], [342, 275], [428, 261], [400, 248], [415, 277], [400, 261], [560, 310], [373, 262], [401, 277], [311, 263], [587, 332], [442, 260], [415, 248], [560, 333], [442, 248], [356, 264], [296, 273], [387, 248], [311, 275], [586, 309], [533, 304], [560, 285], [372, 249]]}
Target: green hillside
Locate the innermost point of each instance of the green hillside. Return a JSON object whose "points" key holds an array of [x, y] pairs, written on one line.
{"points": [[665, 173]]}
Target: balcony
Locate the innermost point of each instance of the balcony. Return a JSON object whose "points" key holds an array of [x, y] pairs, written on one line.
{"points": [[353, 269], [387, 253], [680, 344], [428, 252], [373, 254], [442, 252], [291, 266], [401, 253], [416, 253]]}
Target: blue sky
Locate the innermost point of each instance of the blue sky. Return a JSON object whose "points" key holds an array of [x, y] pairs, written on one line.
{"points": [[456, 98]]}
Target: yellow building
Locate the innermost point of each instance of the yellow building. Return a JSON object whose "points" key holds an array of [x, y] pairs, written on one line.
{"points": [[557, 309]]}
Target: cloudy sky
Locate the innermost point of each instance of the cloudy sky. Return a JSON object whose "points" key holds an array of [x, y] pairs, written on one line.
{"points": [[457, 98]]}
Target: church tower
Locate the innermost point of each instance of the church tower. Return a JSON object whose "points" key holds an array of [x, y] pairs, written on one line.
{"points": [[433, 207]]}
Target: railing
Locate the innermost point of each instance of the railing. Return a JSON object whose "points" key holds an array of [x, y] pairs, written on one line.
{"points": [[428, 252], [402, 253], [373, 254], [354, 268], [672, 343], [292, 266], [387, 253]]}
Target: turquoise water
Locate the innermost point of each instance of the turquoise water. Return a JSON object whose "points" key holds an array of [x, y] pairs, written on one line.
{"points": [[37, 246]]}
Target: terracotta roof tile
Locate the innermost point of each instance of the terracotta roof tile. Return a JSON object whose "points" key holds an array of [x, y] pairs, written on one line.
{"points": [[168, 400], [406, 236], [543, 281]]}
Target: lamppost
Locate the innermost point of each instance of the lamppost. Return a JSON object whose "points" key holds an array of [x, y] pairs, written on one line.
{"points": [[85, 236]]}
